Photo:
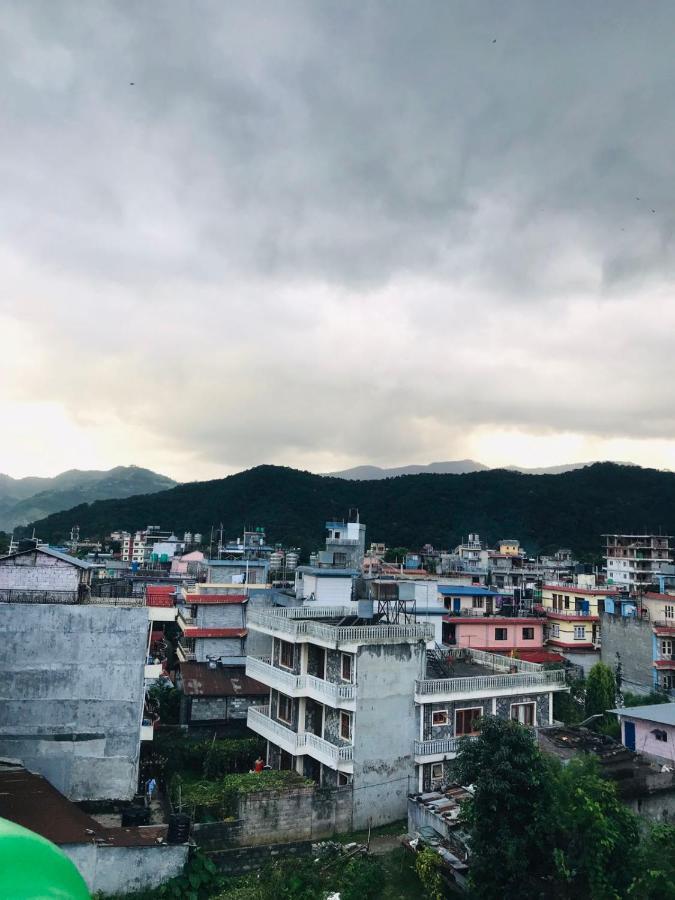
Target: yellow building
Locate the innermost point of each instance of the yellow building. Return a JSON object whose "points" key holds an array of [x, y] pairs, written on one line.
{"points": [[573, 616], [509, 548]]}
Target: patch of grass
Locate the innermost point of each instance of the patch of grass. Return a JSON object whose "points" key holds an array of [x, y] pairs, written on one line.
{"points": [[209, 800]]}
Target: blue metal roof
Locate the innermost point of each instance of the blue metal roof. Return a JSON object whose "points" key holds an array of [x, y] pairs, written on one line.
{"points": [[466, 590]]}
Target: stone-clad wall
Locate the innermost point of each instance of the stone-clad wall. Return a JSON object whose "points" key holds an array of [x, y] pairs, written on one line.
{"points": [[276, 648], [541, 700], [501, 708]]}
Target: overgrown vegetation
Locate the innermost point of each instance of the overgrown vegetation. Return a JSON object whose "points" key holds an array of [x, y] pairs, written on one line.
{"points": [[199, 881], [539, 829], [440, 509], [181, 755], [213, 800]]}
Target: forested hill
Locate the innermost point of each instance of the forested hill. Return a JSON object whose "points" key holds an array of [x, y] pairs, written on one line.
{"points": [[543, 511]]}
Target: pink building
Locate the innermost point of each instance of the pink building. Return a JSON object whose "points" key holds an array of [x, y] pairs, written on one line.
{"points": [[497, 633], [188, 564], [649, 730]]}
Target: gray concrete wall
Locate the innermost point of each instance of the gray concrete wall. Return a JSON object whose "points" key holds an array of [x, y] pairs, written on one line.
{"points": [[205, 647], [38, 572], [71, 694], [384, 731], [633, 640], [122, 870], [306, 813]]}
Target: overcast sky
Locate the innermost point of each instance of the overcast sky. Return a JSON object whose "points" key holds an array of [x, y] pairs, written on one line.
{"points": [[332, 233]]}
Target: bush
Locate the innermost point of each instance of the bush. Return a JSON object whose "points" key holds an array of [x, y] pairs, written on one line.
{"points": [[427, 865], [208, 801], [206, 758]]}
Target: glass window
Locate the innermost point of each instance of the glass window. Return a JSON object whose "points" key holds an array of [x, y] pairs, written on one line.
{"points": [[439, 717], [346, 668], [660, 735], [286, 654], [284, 708], [669, 612], [477, 602], [579, 632], [500, 634], [666, 648], [523, 713], [437, 771], [466, 720], [346, 726], [528, 634], [555, 631]]}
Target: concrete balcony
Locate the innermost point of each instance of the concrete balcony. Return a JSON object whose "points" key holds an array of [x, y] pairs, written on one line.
{"points": [[434, 690], [436, 750], [299, 744], [184, 653], [338, 695]]}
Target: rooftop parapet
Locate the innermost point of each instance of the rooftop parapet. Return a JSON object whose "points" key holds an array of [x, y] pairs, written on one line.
{"points": [[334, 625]]}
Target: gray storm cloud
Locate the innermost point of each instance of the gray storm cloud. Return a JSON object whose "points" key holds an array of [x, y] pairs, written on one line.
{"points": [[282, 232]]}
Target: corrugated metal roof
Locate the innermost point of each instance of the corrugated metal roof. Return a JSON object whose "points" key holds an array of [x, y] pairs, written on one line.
{"points": [[466, 590], [216, 599], [662, 713], [328, 573], [49, 551], [192, 631], [201, 681]]}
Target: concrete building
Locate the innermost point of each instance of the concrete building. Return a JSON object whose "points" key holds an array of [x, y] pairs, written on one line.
{"points": [[72, 693], [500, 634], [345, 543], [357, 701], [330, 587], [212, 619], [573, 620], [216, 695], [649, 730], [469, 599], [237, 571], [113, 861], [44, 575], [633, 561]]}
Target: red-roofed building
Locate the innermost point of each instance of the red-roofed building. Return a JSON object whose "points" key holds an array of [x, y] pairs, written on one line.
{"points": [[216, 694], [213, 624]]}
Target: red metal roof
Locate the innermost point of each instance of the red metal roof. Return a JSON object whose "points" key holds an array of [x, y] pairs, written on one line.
{"points": [[654, 595], [200, 599], [664, 663], [201, 681], [192, 631], [160, 595], [572, 645]]}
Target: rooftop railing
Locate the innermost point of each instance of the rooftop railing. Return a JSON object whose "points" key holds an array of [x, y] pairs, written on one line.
{"points": [[287, 621], [19, 595], [430, 687], [494, 660]]}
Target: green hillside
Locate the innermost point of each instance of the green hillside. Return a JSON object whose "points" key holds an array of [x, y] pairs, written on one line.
{"points": [[543, 511]]}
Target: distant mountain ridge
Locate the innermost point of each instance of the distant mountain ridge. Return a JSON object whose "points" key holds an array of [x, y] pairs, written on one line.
{"points": [[544, 512], [26, 499], [451, 467]]}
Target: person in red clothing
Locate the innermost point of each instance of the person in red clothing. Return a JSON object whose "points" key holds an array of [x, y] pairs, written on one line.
{"points": [[259, 764]]}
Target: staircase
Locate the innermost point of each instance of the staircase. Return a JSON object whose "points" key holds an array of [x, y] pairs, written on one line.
{"points": [[438, 665]]}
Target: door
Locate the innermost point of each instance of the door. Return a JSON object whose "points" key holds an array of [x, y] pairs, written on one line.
{"points": [[456, 604], [629, 735]]}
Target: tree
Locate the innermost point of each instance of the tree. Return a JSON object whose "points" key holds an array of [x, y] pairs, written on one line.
{"points": [[596, 835], [510, 815], [656, 878], [427, 866], [600, 689]]}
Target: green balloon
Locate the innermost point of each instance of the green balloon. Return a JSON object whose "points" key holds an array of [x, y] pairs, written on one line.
{"points": [[32, 868]]}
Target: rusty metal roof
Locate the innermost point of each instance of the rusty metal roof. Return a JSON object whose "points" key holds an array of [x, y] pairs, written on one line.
{"points": [[201, 681]]}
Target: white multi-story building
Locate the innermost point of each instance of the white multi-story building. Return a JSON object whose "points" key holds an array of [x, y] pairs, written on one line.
{"points": [[634, 561], [360, 702]]}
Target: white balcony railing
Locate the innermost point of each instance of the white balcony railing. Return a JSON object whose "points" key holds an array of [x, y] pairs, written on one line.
{"points": [[258, 720], [495, 661], [572, 613], [299, 685], [439, 747], [278, 622], [490, 685]]}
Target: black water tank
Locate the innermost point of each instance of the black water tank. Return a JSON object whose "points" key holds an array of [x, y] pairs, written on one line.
{"points": [[179, 828], [135, 815]]}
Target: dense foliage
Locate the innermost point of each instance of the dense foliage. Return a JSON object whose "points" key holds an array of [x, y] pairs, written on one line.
{"points": [[205, 758], [212, 800], [543, 511], [540, 830]]}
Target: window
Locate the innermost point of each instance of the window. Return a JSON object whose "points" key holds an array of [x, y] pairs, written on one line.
{"points": [[346, 726], [523, 713], [555, 631], [439, 717], [466, 720], [660, 735], [579, 632], [500, 634], [284, 708], [286, 654], [337, 536], [477, 602], [668, 681], [528, 634], [567, 602], [346, 667], [437, 771], [666, 648], [669, 612], [342, 779]]}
